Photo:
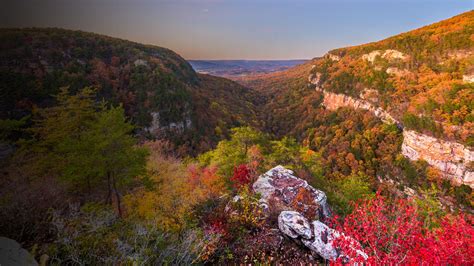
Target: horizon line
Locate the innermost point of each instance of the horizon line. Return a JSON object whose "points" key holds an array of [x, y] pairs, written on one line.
{"points": [[297, 59]]}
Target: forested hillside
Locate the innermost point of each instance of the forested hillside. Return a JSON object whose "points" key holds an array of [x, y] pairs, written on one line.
{"points": [[422, 77], [159, 90], [420, 80]]}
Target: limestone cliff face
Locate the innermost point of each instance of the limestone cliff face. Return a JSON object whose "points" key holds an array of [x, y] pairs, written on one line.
{"points": [[451, 158], [387, 54], [332, 101], [175, 127]]}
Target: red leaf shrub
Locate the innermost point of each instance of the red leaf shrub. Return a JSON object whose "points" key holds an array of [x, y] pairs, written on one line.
{"points": [[451, 244], [241, 176], [392, 233]]}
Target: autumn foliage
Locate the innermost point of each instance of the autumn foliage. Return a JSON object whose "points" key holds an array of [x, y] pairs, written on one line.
{"points": [[393, 233], [241, 176]]}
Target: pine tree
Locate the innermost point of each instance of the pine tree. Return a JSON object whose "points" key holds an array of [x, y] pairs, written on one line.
{"points": [[84, 143]]}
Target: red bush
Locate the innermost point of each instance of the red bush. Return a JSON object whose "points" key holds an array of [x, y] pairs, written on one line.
{"points": [[451, 244], [392, 233], [241, 176]]}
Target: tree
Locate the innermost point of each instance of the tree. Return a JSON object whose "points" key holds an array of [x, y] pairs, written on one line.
{"points": [[285, 151], [235, 151], [56, 133], [388, 233], [84, 143], [113, 151], [351, 189], [173, 190], [450, 244], [9, 128]]}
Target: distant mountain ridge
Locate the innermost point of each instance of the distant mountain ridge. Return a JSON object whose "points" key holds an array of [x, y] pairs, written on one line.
{"points": [[235, 68]]}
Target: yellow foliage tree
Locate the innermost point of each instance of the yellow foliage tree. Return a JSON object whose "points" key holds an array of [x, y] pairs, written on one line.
{"points": [[173, 191]]}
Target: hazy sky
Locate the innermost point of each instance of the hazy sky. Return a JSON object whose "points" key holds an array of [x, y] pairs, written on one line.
{"points": [[226, 29]]}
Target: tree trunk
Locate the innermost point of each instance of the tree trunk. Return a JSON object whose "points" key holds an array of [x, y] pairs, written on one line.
{"points": [[117, 195], [109, 190], [89, 187]]}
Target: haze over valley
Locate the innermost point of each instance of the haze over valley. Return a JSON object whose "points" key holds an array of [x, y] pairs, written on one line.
{"points": [[239, 68]]}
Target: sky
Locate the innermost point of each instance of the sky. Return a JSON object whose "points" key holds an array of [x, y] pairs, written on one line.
{"points": [[232, 29]]}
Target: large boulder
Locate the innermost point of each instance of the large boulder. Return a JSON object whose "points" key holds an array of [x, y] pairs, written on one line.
{"points": [[294, 225], [316, 236], [285, 192], [323, 242], [298, 203]]}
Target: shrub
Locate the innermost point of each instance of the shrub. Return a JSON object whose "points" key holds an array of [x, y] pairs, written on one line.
{"points": [[241, 177], [393, 233], [94, 235]]}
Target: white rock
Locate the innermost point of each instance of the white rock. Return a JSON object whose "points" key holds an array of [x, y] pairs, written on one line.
{"points": [[179, 127], [140, 62], [387, 54], [281, 186], [294, 225], [371, 56], [333, 101], [322, 242], [315, 79], [468, 78], [394, 54], [451, 158], [396, 71], [334, 57]]}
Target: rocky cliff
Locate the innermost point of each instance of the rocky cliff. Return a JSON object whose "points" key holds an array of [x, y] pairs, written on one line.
{"points": [[454, 160], [332, 101]]}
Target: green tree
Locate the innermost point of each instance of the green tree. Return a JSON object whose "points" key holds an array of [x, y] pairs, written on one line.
{"points": [[285, 151], [56, 131], [352, 189], [10, 127], [84, 143], [113, 151], [235, 151]]}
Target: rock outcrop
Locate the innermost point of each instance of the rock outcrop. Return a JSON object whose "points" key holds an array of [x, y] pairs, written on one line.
{"points": [[451, 158], [283, 191], [468, 78], [316, 236], [332, 101], [396, 71], [296, 202], [315, 79], [294, 225], [178, 127], [387, 54], [323, 242], [11, 253], [333, 57]]}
